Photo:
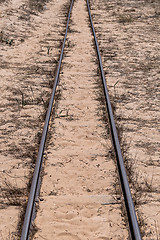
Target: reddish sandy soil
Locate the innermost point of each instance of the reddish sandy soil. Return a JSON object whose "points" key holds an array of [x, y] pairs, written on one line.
{"points": [[30, 41], [80, 194], [78, 198], [128, 35]]}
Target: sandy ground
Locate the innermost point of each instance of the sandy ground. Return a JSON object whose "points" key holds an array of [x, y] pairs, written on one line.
{"points": [[29, 50], [78, 199], [128, 35]]}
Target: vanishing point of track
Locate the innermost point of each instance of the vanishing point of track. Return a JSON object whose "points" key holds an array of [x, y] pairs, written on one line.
{"points": [[132, 219]]}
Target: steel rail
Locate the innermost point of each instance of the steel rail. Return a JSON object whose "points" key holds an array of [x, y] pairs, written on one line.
{"points": [[133, 223], [36, 175]]}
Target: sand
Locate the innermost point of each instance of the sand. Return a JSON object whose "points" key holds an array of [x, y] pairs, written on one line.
{"points": [[128, 35], [78, 199], [26, 73], [80, 194]]}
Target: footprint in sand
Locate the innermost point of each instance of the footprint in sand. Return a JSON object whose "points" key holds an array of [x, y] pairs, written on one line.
{"points": [[67, 236]]}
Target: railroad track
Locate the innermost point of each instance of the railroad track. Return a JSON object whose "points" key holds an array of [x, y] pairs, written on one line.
{"points": [[34, 191]]}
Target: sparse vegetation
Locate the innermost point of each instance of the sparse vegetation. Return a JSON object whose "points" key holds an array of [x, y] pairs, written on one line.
{"points": [[24, 108], [2, 1], [37, 5], [4, 39], [11, 195], [125, 18]]}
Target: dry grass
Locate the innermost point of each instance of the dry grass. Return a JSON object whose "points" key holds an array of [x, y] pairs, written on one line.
{"points": [[125, 18], [37, 5], [2, 1], [11, 194]]}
